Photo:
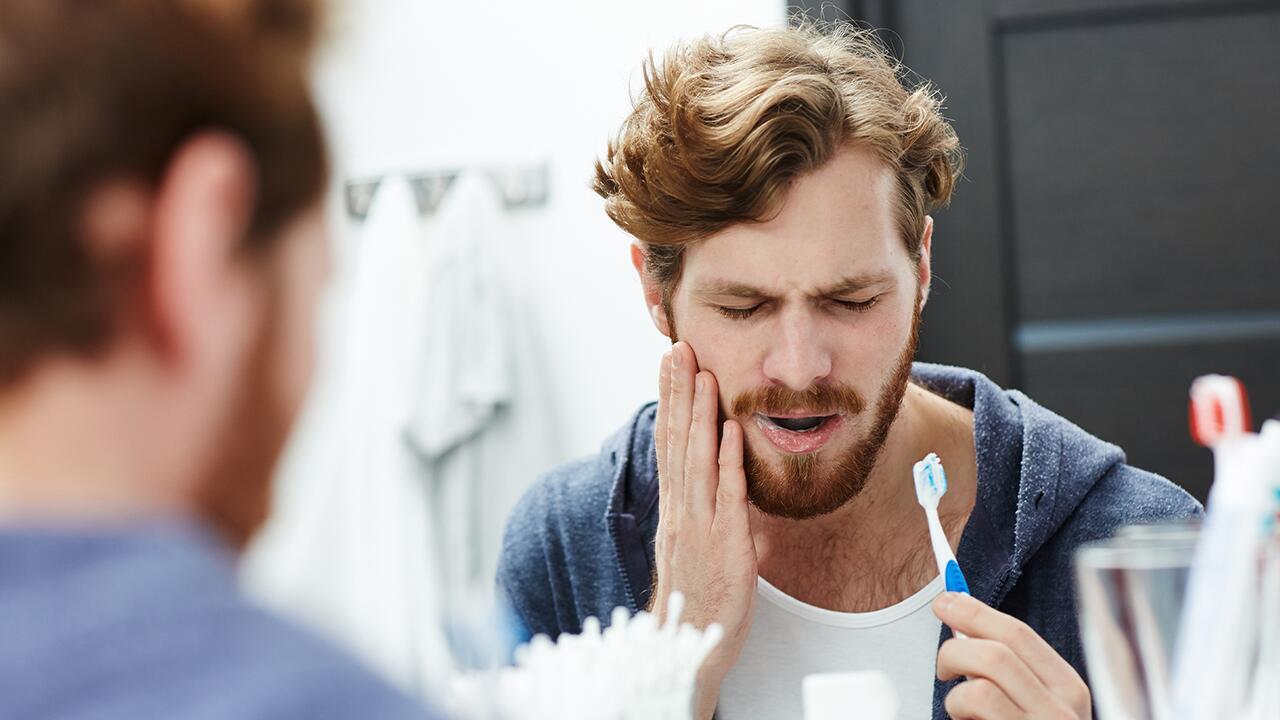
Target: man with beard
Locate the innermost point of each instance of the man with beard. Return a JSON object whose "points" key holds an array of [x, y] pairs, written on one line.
{"points": [[778, 184], [161, 251]]}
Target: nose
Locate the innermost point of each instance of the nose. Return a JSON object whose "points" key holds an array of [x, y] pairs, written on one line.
{"points": [[800, 355]]}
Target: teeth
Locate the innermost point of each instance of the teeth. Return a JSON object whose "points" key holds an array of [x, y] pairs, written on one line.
{"points": [[797, 424]]}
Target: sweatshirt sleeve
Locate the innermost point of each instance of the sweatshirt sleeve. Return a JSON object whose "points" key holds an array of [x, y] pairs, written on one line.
{"points": [[524, 566]]}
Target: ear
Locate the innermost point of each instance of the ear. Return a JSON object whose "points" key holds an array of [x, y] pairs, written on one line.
{"points": [[652, 293], [925, 268], [201, 217]]}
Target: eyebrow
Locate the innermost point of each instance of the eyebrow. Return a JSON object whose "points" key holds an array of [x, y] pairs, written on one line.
{"points": [[844, 286]]}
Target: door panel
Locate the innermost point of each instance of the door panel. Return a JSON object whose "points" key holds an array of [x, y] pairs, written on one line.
{"points": [[1113, 235]]}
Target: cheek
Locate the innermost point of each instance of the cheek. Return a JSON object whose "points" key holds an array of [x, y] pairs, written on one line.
{"points": [[735, 366], [868, 355], [733, 353]]}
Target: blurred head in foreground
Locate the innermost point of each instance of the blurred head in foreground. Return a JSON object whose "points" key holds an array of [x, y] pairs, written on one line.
{"points": [[161, 252]]}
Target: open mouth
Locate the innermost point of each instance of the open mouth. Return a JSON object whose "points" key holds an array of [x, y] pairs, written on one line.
{"points": [[804, 434], [799, 424]]}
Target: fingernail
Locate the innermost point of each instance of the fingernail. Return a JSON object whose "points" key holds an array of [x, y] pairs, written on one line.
{"points": [[946, 600], [675, 357], [700, 385]]}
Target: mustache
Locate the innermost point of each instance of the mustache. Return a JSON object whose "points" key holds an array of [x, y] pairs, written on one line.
{"points": [[826, 399]]}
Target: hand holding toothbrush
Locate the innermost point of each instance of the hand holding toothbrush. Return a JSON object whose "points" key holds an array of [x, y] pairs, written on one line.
{"points": [[704, 546], [1009, 670]]}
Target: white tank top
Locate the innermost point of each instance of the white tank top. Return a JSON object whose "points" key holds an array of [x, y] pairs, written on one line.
{"points": [[790, 639]]}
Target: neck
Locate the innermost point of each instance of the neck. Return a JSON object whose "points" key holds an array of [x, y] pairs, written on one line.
{"points": [[77, 447], [874, 551]]}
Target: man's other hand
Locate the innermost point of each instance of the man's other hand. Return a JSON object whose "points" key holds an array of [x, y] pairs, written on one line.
{"points": [[1010, 671]]}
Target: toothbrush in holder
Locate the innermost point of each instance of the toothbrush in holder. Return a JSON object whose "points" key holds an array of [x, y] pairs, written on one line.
{"points": [[931, 485]]}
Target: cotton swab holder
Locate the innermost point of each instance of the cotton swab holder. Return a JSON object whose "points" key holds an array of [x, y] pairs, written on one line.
{"points": [[635, 669]]}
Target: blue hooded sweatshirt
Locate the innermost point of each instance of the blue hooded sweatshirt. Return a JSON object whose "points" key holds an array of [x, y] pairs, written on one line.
{"points": [[145, 621], [581, 541]]}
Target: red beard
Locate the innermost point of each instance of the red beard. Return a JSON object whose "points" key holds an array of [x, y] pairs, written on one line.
{"points": [[802, 488]]}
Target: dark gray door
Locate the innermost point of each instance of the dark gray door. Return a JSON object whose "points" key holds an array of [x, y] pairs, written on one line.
{"points": [[1115, 234]]}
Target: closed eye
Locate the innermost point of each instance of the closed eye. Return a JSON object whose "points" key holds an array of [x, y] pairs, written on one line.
{"points": [[737, 313], [858, 306]]}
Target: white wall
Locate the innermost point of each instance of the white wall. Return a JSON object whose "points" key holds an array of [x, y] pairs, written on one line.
{"points": [[412, 85]]}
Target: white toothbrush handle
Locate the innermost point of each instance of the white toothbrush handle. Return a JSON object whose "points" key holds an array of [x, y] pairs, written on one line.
{"points": [[941, 550]]}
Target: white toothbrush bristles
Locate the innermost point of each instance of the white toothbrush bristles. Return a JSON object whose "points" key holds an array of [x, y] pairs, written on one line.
{"points": [[930, 481]]}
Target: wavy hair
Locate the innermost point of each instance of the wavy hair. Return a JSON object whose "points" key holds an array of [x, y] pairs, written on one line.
{"points": [[725, 124]]}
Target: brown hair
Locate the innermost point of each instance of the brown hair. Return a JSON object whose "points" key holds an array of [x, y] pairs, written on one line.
{"points": [[725, 124], [98, 90]]}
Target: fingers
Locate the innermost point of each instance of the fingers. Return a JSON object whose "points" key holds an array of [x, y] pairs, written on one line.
{"points": [[660, 425], [976, 658], [731, 495], [678, 418], [666, 524], [702, 474], [978, 620], [980, 699]]}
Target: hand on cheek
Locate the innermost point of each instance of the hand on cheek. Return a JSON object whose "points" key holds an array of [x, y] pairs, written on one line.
{"points": [[704, 546]]}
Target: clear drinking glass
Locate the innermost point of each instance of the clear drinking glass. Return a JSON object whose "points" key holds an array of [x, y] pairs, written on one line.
{"points": [[1131, 591]]}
